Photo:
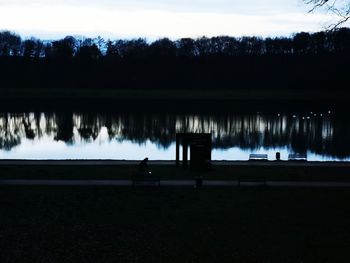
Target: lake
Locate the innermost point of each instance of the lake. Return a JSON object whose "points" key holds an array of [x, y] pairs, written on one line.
{"points": [[322, 135]]}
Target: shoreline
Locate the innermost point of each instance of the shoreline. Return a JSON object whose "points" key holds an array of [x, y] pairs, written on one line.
{"points": [[171, 163]]}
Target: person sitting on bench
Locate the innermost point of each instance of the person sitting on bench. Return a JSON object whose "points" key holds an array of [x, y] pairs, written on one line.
{"points": [[143, 167]]}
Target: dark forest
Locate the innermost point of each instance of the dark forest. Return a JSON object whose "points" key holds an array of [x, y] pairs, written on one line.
{"points": [[305, 61]]}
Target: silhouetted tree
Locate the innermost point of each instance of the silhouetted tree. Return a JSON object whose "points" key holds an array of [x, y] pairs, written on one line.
{"points": [[29, 48], [202, 46], [65, 48], [65, 128], [136, 48], [228, 45], [10, 44], [301, 43], [87, 53], [131, 49], [186, 47], [319, 43], [218, 45], [33, 48], [48, 50], [251, 46], [278, 46], [163, 48], [112, 50], [341, 40], [100, 43]]}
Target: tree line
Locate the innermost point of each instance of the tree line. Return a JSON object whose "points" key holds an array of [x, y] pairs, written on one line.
{"points": [[305, 61], [12, 45]]}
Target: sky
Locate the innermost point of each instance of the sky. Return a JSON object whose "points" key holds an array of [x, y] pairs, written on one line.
{"points": [[153, 19]]}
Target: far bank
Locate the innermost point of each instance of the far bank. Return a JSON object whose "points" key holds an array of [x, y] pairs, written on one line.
{"points": [[170, 100]]}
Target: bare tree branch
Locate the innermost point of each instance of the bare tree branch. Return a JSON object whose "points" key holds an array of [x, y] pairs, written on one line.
{"points": [[316, 4], [334, 26], [340, 8]]}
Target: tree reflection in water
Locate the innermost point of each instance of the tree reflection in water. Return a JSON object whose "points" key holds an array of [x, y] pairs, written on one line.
{"points": [[322, 134]]}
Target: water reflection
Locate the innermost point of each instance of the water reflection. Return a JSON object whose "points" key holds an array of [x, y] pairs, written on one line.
{"points": [[320, 134]]}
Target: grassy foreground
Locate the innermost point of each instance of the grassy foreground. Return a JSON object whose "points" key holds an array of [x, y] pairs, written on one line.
{"points": [[91, 224]]}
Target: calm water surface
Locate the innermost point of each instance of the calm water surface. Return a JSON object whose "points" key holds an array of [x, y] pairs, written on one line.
{"points": [[324, 136]]}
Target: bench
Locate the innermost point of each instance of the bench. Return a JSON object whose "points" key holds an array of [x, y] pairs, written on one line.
{"points": [[297, 157], [262, 157]]}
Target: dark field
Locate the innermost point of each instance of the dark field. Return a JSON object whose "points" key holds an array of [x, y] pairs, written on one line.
{"points": [[49, 224]]}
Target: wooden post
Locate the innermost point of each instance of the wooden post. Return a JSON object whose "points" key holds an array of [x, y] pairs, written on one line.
{"points": [[177, 150], [210, 146], [184, 153]]}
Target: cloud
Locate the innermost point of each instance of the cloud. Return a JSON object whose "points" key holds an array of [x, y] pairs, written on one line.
{"points": [[66, 17], [223, 6]]}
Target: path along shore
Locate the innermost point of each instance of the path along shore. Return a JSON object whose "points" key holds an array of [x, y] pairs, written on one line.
{"points": [[174, 183]]}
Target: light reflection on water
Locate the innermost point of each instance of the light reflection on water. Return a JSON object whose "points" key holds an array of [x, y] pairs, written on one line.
{"points": [[132, 137]]}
